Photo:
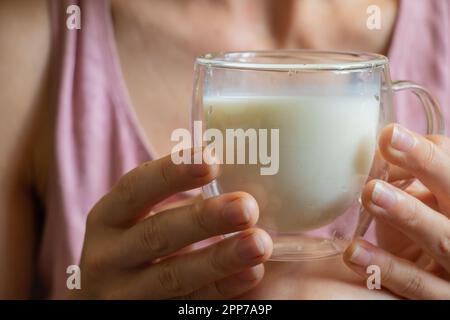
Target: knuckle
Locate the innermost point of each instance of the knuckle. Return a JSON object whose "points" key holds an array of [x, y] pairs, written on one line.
{"points": [[414, 284], [426, 162], [444, 245], [388, 272], [165, 173], [439, 140], [170, 282], [199, 219], [217, 263], [411, 216], [152, 237], [126, 190]]}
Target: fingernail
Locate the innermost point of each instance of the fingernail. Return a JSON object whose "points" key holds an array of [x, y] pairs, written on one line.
{"points": [[383, 196], [251, 247], [238, 212], [360, 256], [402, 139], [251, 274]]}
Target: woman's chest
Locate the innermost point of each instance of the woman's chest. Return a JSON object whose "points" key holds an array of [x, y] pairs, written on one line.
{"points": [[157, 57], [322, 279]]}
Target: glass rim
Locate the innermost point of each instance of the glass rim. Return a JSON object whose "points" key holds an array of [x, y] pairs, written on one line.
{"points": [[236, 60]]}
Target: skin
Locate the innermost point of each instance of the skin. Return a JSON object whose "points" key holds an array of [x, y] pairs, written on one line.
{"points": [[165, 63], [126, 252], [25, 128], [418, 265]]}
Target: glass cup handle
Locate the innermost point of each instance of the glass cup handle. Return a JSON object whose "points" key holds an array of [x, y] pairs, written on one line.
{"points": [[435, 119], [435, 125], [432, 109]]}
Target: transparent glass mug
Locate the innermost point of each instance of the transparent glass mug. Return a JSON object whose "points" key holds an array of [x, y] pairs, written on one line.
{"points": [[318, 114]]}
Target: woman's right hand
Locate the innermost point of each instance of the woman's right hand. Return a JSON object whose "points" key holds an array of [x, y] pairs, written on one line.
{"points": [[129, 254]]}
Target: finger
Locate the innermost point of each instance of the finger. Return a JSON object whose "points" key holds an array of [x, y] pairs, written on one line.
{"points": [[420, 192], [231, 286], [416, 188], [428, 228], [441, 141], [423, 158], [184, 274], [396, 173], [171, 230], [398, 275], [143, 187]]}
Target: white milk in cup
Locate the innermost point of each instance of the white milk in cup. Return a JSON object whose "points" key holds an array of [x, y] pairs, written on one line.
{"points": [[326, 110], [326, 148]]}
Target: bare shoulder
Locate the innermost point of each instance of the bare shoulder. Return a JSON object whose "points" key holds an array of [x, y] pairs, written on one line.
{"points": [[24, 60]]}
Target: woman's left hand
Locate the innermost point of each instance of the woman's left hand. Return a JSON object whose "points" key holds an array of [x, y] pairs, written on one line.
{"points": [[413, 226]]}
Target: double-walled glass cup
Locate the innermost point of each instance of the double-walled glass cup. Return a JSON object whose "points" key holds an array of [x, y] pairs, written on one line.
{"points": [[298, 130]]}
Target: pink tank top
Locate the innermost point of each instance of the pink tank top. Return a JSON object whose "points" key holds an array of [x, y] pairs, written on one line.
{"points": [[97, 136]]}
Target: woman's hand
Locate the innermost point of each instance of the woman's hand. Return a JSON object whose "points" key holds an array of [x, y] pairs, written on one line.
{"points": [[414, 226], [129, 254]]}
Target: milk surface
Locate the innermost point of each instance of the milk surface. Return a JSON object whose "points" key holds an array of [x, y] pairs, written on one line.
{"points": [[326, 148]]}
